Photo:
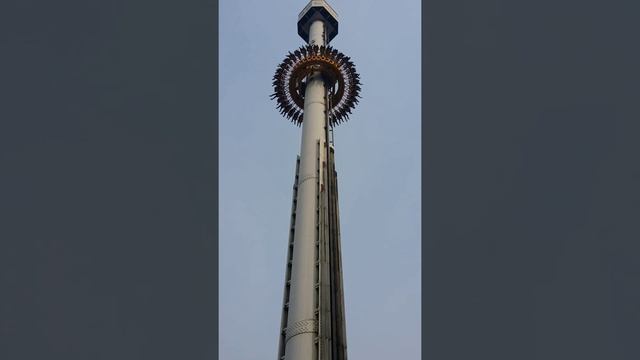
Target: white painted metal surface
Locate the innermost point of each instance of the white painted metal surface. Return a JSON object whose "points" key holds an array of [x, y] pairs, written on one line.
{"points": [[320, 3], [301, 324]]}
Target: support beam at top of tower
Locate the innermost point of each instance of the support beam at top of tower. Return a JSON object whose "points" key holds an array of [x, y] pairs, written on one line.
{"points": [[318, 10]]}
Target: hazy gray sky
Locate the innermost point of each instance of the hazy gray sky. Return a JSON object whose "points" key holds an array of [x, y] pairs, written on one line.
{"points": [[378, 163]]}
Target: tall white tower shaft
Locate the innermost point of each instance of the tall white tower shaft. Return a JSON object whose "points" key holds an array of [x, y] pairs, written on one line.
{"points": [[301, 325], [315, 86]]}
